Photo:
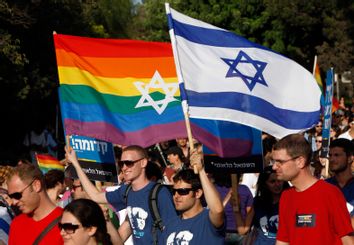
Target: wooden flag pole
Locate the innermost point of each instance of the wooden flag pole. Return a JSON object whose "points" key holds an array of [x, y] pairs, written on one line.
{"points": [[189, 130], [314, 66], [180, 78], [234, 193], [326, 168]]}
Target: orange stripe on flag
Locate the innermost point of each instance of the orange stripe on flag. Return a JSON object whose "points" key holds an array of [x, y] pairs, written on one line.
{"points": [[118, 67], [48, 161]]}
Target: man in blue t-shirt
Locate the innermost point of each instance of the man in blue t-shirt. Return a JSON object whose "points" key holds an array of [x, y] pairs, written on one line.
{"points": [[133, 164], [196, 225], [340, 162]]}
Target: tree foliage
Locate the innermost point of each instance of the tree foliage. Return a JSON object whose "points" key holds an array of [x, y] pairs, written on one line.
{"points": [[295, 28]]}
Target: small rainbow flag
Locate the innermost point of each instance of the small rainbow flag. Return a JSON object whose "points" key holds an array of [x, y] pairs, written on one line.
{"points": [[48, 162], [317, 75]]}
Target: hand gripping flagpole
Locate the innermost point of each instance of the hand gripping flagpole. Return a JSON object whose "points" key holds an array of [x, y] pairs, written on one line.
{"points": [[180, 81]]}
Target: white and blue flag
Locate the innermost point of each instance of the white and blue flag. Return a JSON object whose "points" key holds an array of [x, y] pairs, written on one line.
{"points": [[226, 77]]}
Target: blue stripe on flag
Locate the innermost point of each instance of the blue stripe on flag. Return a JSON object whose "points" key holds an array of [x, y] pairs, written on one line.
{"points": [[229, 130], [4, 226], [254, 105], [212, 37], [290, 105]]}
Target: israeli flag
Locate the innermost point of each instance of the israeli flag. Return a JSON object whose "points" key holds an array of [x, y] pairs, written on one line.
{"points": [[226, 77]]}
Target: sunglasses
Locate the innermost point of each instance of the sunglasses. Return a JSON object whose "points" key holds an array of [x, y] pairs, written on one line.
{"points": [[18, 195], [75, 187], [128, 163], [181, 191], [318, 141], [69, 228]]}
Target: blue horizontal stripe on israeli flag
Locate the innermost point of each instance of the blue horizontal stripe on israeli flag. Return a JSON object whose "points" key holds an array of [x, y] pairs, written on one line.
{"points": [[229, 129], [128, 122], [212, 37], [226, 130], [289, 119]]}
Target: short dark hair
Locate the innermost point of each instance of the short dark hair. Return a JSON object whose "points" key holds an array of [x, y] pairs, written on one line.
{"points": [[295, 145], [153, 171], [345, 144], [188, 176], [90, 214], [53, 177], [175, 150]]}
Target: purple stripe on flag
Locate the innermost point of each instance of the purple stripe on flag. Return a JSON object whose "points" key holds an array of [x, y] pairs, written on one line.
{"points": [[223, 147], [145, 137]]}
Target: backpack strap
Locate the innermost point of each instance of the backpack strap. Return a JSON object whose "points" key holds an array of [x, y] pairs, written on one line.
{"points": [[129, 187], [153, 207], [154, 210], [46, 230]]}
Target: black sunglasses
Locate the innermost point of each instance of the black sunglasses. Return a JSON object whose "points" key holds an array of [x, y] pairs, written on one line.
{"points": [[69, 228], [18, 195], [128, 163], [181, 191], [74, 187]]}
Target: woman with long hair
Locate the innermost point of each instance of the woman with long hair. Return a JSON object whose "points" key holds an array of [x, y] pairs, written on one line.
{"points": [[261, 223], [266, 206], [83, 222]]}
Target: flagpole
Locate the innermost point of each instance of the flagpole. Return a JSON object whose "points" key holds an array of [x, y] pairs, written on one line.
{"points": [[180, 81], [314, 66]]}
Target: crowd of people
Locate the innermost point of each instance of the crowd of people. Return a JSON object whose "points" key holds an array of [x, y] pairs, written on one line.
{"points": [[165, 196]]}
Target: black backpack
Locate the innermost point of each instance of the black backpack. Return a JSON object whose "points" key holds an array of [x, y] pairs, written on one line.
{"points": [[153, 207]]}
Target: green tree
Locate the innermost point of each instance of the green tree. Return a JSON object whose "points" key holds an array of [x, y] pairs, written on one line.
{"points": [[295, 28], [28, 72]]}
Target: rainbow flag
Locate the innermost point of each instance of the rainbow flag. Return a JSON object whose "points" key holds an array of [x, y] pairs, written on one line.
{"points": [[121, 91], [47, 162], [317, 75]]}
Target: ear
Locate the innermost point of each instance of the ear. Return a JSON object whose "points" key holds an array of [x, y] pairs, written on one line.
{"points": [[300, 162], [144, 163], [91, 230], [198, 193], [37, 186]]}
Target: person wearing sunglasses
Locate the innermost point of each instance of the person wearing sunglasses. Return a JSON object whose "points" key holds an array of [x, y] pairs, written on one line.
{"points": [[133, 163], [27, 190], [196, 224], [83, 223], [77, 191], [306, 210]]}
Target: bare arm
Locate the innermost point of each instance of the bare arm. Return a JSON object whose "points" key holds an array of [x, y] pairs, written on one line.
{"points": [[348, 240], [227, 198], [94, 194], [244, 225], [125, 230], [212, 197], [281, 243], [113, 232]]}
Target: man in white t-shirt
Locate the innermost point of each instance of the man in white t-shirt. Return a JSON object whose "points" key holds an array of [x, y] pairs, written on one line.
{"points": [[350, 133]]}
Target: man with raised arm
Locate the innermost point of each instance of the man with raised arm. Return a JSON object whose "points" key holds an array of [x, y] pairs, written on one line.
{"points": [[196, 224], [133, 164]]}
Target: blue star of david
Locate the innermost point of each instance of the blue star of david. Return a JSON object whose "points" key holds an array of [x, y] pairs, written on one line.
{"points": [[250, 80]]}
